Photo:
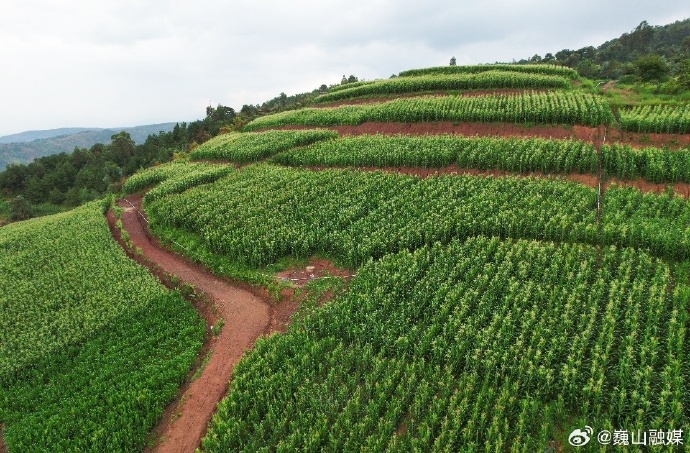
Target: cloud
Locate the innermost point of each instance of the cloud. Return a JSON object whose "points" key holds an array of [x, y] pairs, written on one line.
{"points": [[133, 62]]}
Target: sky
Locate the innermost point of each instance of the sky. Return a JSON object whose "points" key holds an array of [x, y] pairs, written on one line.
{"points": [[86, 63]]}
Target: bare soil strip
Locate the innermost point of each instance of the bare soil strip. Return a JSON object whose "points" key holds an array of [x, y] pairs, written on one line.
{"points": [[246, 317]]}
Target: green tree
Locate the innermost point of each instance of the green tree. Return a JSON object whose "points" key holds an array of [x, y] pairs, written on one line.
{"points": [[587, 68], [652, 67], [684, 74], [453, 62], [20, 209], [122, 148]]}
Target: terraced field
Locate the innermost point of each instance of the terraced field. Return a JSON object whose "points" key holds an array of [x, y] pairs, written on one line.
{"points": [[499, 305]]}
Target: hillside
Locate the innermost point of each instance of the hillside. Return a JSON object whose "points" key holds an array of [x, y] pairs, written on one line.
{"points": [[27, 146], [30, 136], [616, 58], [483, 258]]}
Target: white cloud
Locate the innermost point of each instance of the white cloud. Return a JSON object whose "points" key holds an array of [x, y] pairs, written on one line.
{"points": [[83, 63]]}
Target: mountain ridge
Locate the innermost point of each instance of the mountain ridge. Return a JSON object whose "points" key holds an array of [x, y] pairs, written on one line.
{"points": [[55, 141]]}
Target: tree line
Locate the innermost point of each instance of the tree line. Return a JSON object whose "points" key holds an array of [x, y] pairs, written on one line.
{"points": [[647, 53]]}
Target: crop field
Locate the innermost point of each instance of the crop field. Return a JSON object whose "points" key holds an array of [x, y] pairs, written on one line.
{"points": [[479, 312], [544, 69], [262, 213], [483, 345], [551, 107], [92, 346], [512, 154], [251, 147], [653, 164], [658, 118], [174, 173], [460, 81]]}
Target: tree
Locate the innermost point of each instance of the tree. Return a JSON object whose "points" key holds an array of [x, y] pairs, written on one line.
{"points": [[652, 67], [122, 148], [453, 62], [587, 68], [684, 74], [20, 209]]}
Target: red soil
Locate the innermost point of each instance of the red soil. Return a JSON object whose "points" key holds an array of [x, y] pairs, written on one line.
{"points": [[315, 268], [681, 188], [245, 315]]}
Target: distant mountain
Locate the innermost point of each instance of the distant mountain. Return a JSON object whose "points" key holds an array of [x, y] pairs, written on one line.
{"points": [[27, 146], [30, 136]]}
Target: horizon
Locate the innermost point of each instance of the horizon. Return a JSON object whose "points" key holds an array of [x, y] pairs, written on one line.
{"points": [[131, 63]]}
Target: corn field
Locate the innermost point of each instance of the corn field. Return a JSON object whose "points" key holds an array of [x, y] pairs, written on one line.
{"points": [[251, 147], [653, 164], [545, 69], [153, 176], [461, 81], [482, 345], [92, 346], [435, 151], [662, 119], [551, 107]]}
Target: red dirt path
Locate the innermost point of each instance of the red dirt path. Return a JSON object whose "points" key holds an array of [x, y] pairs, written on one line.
{"points": [[246, 317]]}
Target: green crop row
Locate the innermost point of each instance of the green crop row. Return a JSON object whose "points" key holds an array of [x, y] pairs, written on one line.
{"points": [[663, 119], [262, 213], [546, 69], [155, 175], [92, 346], [653, 164], [523, 108], [483, 345], [461, 81], [434, 151], [251, 147], [185, 180]]}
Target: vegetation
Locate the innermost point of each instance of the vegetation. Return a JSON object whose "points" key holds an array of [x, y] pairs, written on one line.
{"points": [[478, 346], [659, 119], [92, 346], [251, 147], [625, 56], [24, 147], [262, 213], [174, 172], [512, 154], [68, 180], [487, 313], [658, 223], [543, 69], [653, 164], [460, 81], [524, 108]]}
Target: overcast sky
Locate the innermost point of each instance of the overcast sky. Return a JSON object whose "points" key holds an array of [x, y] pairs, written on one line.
{"points": [[125, 63]]}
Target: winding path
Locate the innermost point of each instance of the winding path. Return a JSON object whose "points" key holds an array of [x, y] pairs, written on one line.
{"points": [[246, 318]]}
